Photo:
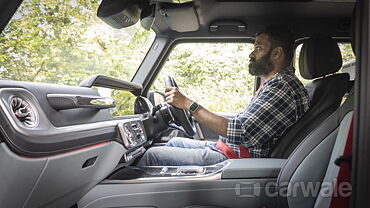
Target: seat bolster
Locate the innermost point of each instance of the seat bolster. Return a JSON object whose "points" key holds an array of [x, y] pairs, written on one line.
{"points": [[310, 173], [329, 90], [313, 140], [333, 170]]}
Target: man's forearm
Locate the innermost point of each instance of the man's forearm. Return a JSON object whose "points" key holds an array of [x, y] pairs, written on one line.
{"points": [[213, 121]]}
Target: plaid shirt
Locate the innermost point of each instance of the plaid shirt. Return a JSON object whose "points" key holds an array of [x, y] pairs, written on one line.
{"points": [[278, 104]]}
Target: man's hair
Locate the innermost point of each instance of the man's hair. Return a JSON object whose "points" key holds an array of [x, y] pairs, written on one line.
{"points": [[280, 35]]}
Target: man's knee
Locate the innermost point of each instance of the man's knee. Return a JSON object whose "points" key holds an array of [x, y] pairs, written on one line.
{"points": [[155, 156], [175, 142], [151, 152], [149, 157]]}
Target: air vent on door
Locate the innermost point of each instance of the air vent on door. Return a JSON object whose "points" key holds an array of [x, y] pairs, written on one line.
{"points": [[24, 112]]}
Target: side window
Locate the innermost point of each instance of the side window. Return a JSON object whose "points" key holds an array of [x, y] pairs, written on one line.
{"points": [[125, 101], [347, 56], [296, 64], [349, 59], [213, 74]]}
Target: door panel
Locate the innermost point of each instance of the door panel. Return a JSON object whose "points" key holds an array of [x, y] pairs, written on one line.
{"points": [[56, 181], [41, 130], [51, 158]]}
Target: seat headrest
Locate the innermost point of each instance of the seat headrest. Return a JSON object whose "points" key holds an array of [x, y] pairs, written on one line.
{"points": [[320, 55]]}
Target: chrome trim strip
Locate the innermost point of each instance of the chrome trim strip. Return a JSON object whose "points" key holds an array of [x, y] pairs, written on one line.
{"points": [[107, 102], [213, 177], [204, 177]]}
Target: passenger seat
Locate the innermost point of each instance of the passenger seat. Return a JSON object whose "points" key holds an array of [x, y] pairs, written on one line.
{"points": [[320, 56]]}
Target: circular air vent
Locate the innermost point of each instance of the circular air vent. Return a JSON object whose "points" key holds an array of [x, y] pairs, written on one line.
{"points": [[24, 111]]}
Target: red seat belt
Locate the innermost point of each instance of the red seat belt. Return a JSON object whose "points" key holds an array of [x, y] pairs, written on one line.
{"points": [[344, 175], [229, 153]]}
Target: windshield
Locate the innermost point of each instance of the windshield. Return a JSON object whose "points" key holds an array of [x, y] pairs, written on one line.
{"points": [[64, 42]]}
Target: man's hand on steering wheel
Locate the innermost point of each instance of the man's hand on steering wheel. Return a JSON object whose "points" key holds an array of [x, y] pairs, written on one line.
{"points": [[180, 106], [176, 98]]}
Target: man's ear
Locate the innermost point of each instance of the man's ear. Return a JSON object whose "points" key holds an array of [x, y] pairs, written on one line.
{"points": [[277, 52]]}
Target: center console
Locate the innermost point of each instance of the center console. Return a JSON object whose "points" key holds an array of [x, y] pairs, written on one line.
{"points": [[229, 169], [232, 183]]}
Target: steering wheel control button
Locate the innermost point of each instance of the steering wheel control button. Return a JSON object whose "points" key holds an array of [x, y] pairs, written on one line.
{"points": [[167, 114]]}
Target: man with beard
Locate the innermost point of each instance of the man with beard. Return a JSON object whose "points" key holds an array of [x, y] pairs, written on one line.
{"points": [[280, 101]]}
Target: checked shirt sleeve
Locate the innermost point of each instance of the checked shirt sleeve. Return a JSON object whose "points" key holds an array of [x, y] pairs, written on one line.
{"points": [[266, 117]]}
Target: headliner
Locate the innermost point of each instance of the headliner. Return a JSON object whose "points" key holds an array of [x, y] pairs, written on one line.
{"points": [[327, 17]]}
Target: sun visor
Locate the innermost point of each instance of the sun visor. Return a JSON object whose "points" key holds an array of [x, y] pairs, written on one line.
{"points": [[180, 17]]}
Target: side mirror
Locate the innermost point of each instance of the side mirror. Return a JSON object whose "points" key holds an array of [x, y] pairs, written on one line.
{"points": [[143, 105], [156, 97]]}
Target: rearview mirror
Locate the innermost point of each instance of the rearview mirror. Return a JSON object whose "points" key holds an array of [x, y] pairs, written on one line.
{"points": [[147, 17], [119, 13]]}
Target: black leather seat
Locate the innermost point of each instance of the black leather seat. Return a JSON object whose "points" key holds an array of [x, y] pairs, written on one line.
{"points": [[312, 162], [320, 56]]}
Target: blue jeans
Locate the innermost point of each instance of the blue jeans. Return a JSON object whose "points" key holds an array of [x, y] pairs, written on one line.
{"points": [[180, 152]]}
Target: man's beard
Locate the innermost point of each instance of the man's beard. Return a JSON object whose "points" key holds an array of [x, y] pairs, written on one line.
{"points": [[262, 66]]}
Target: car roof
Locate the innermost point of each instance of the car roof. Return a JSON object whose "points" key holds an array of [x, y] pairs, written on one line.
{"points": [[305, 18]]}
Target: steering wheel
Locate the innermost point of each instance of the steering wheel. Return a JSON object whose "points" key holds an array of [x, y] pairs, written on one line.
{"points": [[181, 117]]}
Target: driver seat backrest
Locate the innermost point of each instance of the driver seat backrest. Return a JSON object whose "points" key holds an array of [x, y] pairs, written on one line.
{"points": [[319, 56], [308, 178]]}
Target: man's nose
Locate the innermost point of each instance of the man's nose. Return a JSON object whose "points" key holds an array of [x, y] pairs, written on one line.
{"points": [[251, 55]]}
